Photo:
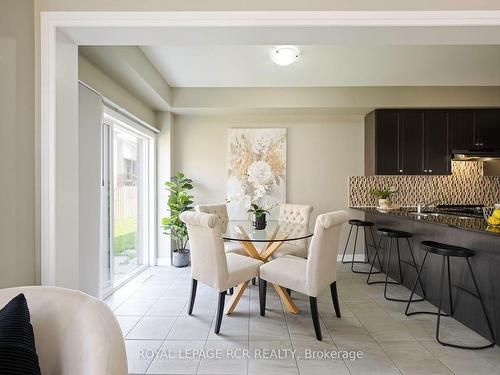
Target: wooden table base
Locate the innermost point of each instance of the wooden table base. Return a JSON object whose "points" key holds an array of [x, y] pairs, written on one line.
{"points": [[240, 289]]}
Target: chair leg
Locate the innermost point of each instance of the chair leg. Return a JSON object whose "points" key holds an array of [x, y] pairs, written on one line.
{"points": [[315, 317], [289, 291], [220, 311], [335, 298], [354, 249], [231, 291], [254, 282], [194, 284], [416, 267], [262, 296], [449, 285]]}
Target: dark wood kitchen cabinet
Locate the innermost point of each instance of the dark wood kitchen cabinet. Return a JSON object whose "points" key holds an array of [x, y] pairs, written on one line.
{"points": [[487, 128], [406, 142], [437, 150], [461, 129]]}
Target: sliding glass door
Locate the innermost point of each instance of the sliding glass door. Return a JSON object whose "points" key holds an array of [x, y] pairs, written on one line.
{"points": [[128, 180]]}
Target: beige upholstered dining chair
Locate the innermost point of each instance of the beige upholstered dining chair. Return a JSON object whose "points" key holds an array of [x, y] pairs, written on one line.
{"points": [[220, 210], [293, 214], [309, 276], [210, 264]]}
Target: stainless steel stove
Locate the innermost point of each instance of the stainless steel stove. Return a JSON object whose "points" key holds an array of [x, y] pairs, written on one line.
{"points": [[464, 210]]}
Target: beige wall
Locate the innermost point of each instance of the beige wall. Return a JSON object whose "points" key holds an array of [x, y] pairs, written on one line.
{"points": [[322, 151], [17, 144], [92, 76]]}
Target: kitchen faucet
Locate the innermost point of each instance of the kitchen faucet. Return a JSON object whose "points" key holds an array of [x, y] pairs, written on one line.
{"points": [[422, 206]]}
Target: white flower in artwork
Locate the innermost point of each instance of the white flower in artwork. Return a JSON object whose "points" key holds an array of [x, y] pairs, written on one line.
{"points": [[260, 176], [261, 143]]}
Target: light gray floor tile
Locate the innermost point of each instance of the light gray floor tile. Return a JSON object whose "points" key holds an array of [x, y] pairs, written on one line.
{"points": [[140, 354], [162, 339], [190, 328], [152, 328]]}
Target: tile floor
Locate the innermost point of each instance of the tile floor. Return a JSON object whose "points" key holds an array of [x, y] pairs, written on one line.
{"points": [[162, 339]]}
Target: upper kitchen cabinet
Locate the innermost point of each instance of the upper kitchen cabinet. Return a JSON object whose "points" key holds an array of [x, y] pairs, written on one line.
{"points": [[461, 129], [487, 128], [474, 129], [437, 155], [407, 142], [411, 142]]}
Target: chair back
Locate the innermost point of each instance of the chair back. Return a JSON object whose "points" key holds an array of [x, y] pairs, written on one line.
{"points": [[321, 268], [220, 210], [295, 214], [208, 258], [75, 334]]}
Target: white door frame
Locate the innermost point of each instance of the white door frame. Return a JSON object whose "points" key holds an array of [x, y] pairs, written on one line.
{"points": [[52, 23]]}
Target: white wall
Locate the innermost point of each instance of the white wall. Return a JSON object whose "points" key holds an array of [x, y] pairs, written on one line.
{"points": [[322, 151], [164, 172], [17, 144]]}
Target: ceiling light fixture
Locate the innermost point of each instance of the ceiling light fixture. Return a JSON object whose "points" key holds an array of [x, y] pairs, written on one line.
{"points": [[285, 55]]}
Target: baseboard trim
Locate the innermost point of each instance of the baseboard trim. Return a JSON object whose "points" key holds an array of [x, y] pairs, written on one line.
{"points": [[163, 261]]}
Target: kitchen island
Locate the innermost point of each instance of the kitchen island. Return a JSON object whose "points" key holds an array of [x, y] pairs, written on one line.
{"points": [[469, 232]]}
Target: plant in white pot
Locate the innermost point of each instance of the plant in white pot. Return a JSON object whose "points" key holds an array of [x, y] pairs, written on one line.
{"points": [[384, 196], [179, 201]]}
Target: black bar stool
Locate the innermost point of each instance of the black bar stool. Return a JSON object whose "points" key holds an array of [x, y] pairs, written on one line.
{"points": [[359, 223], [447, 251], [397, 234]]}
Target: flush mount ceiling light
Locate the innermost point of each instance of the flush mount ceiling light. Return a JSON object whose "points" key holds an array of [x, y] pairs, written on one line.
{"points": [[285, 55]]}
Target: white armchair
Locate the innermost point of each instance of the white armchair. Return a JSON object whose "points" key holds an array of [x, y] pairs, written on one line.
{"points": [[75, 334], [309, 276], [293, 214], [220, 210], [210, 264]]}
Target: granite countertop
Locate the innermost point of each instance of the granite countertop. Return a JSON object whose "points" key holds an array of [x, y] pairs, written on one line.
{"points": [[470, 223]]}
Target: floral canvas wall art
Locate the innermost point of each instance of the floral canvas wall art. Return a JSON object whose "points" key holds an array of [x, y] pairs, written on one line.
{"points": [[256, 170]]}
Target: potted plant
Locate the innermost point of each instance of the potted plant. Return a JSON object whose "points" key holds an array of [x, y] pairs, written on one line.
{"points": [[179, 201], [259, 215], [383, 196]]}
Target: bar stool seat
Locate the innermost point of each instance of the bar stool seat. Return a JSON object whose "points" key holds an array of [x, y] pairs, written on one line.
{"points": [[359, 224], [447, 251], [393, 234]]}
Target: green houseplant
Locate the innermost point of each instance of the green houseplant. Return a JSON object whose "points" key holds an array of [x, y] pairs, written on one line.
{"points": [[179, 201], [383, 195], [259, 215]]}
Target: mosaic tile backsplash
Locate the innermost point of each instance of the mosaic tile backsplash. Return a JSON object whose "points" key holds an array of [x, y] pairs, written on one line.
{"points": [[466, 185]]}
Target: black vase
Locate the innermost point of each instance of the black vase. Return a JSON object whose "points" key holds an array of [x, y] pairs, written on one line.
{"points": [[260, 222]]}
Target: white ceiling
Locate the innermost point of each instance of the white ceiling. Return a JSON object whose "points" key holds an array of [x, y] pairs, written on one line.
{"points": [[327, 65]]}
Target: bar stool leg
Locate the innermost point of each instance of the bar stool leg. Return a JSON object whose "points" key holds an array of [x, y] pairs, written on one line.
{"points": [[417, 280], [346, 243], [440, 301], [416, 267], [399, 262], [373, 241], [449, 284], [354, 249], [387, 267], [367, 256], [373, 262]]}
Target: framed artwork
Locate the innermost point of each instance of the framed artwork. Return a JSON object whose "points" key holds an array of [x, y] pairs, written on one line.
{"points": [[256, 169]]}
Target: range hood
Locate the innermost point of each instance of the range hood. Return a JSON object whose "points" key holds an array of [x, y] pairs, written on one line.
{"points": [[476, 154], [489, 157]]}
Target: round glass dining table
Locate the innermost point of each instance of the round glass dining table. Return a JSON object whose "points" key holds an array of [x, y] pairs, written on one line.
{"points": [[271, 238]]}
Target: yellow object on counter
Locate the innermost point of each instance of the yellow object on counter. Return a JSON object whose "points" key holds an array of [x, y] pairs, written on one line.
{"points": [[492, 220]]}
